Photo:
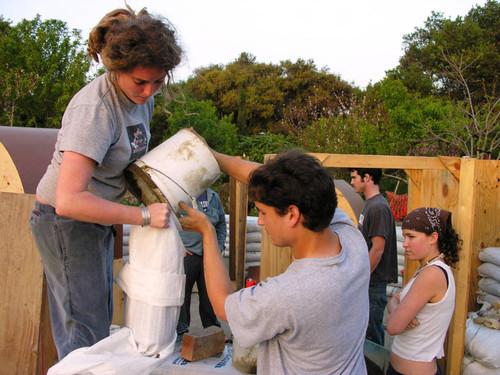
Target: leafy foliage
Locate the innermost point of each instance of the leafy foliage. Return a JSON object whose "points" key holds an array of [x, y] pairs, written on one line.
{"points": [[51, 52], [264, 92], [473, 38]]}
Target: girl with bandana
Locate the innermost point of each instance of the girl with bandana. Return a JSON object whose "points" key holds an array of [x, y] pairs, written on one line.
{"points": [[420, 314]]}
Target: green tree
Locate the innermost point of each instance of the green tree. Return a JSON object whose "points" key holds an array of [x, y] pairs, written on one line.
{"points": [[260, 95], [219, 132], [474, 39], [255, 147], [53, 53]]}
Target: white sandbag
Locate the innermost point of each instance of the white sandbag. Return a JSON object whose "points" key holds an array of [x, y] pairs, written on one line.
{"points": [[399, 234], [154, 327], [483, 344], [253, 227], [114, 355], [401, 260], [154, 283], [490, 255], [252, 256], [489, 270], [489, 285], [483, 297], [157, 248], [255, 246], [472, 367], [253, 237], [400, 249]]}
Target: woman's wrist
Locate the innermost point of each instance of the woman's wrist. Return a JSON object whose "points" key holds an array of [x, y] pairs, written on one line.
{"points": [[146, 216]]}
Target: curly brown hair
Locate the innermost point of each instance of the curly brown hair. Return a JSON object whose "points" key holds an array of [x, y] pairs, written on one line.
{"points": [[124, 40]]}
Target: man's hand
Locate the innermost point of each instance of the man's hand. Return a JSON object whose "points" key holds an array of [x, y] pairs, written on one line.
{"points": [[196, 221]]}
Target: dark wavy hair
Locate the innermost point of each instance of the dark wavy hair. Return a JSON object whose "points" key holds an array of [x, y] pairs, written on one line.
{"points": [[124, 40], [296, 178], [449, 243]]}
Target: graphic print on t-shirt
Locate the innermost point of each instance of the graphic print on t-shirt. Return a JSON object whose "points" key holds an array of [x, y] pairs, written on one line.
{"points": [[138, 140]]}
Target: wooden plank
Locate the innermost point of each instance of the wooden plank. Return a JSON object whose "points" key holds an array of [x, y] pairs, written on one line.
{"points": [[237, 231], [47, 352], [379, 161], [118, 296], [452, 164], [414, 202], [241, 230], [10, 181], [22, 286], [486, 219], [465, 228], [274, 260]]}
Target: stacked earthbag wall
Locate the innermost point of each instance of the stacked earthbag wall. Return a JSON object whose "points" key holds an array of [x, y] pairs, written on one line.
{"points": [[252, 244], [482, 333]]}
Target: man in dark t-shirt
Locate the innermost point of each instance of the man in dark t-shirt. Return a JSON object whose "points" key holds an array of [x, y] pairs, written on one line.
{"points": [[376, 223]]}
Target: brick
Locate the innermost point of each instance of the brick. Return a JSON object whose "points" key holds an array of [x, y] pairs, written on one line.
{"points": [[201, 344]]}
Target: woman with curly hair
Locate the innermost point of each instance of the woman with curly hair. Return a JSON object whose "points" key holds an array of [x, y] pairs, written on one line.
{"points": [[420, 314], [104, 128]]}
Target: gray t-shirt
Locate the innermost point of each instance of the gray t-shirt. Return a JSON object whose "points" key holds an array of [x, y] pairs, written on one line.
{"points": [[105, 126], [312, 318]]}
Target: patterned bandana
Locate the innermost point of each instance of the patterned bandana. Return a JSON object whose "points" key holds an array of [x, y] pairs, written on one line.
{"points": [[426, 220]]}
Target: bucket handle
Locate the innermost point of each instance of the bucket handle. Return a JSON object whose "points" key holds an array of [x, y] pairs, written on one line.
{"points": [[193, 199]]}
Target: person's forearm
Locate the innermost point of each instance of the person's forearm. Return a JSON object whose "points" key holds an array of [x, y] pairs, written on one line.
{"points": [[216, 276], [238, 168]]}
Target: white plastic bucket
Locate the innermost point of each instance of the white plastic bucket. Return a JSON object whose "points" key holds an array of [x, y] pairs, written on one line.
{"points": [[179, 169]]}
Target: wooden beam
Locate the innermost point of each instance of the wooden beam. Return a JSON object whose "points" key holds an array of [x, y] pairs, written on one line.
{"points": [[465, 228], [238, 231], [452, 164], [379, 161]]}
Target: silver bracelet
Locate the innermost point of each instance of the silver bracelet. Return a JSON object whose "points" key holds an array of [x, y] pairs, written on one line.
{"points": [[146, 216]]}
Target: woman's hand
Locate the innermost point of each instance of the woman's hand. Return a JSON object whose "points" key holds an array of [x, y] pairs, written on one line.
{"points": [[160, 215], [414, 323]]}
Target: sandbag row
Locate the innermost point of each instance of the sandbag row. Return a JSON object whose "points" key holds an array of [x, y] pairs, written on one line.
{"points": [[489, 272], [252, 244], [394, 288], [482, 349]]}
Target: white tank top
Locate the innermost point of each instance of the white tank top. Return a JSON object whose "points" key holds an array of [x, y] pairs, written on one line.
{"points": [[425, 342]]}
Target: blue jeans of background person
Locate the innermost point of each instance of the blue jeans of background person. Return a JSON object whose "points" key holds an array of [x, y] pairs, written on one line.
{"points": [[77, 260], [378, 301]]}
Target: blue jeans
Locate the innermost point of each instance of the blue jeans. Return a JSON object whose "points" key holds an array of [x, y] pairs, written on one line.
{"points": [[77, 260], [378, 301]]}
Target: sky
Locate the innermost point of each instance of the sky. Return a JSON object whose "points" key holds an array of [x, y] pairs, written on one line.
{"points": [[359, 40]]}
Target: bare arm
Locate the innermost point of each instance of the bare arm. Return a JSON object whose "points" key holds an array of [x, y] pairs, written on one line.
{"points": [[75, 201], [219, 285], [429, 286], [238, 168], [376, 252]]}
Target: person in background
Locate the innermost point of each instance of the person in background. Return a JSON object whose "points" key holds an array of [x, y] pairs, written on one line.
{"points": [[104, 128], [376, 223], [312, 318], [419, 315], [210, 204]]}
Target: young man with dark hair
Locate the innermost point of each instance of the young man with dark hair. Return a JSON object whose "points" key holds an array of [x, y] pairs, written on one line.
{"points": [[376, 223], [312, 318]]}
